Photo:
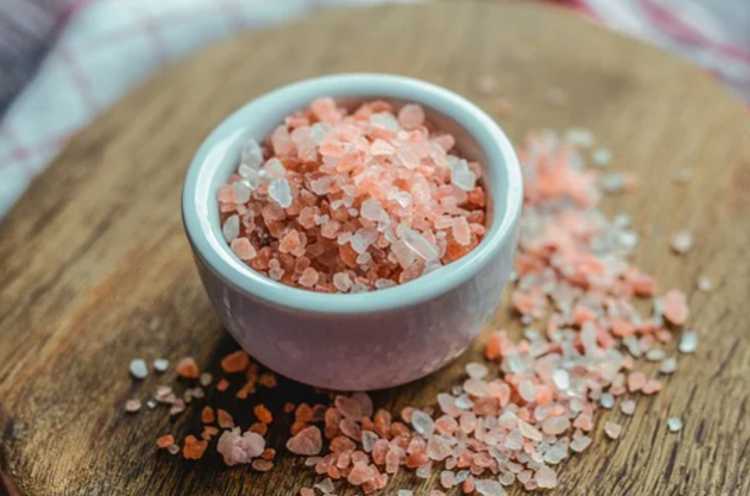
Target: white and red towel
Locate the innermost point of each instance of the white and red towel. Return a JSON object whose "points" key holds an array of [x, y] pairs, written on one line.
{"points": [[64, 61]]}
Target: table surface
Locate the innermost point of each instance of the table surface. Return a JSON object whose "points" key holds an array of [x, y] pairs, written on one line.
{"points": [[96, 269]]}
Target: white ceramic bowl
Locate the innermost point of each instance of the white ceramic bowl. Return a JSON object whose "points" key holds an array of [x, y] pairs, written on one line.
{"points": [[366, 340]]}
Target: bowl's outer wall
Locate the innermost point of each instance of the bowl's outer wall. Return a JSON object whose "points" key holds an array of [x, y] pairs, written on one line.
{"points": [[366, 351]]}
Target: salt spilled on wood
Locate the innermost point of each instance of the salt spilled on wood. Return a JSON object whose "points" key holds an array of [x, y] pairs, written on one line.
{"points": [[533, 403]]}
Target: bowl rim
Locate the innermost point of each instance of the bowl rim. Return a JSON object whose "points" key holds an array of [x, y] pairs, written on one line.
{"points": [[198, 196]]}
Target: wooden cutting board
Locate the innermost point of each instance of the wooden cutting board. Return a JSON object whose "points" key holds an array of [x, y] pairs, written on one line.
{"points": [[96, 270]]}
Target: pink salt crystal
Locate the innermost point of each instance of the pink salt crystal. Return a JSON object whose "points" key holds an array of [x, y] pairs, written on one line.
{"points": [[306, 491], [309, 277], [243, 248], [675, 307], [307, 442], [545, 477], [461, 231], [612, 430], [239, 448], [411, 116], [636, 381]]}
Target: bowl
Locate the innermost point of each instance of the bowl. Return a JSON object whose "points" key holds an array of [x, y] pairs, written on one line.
{"points": [[367, 340]]}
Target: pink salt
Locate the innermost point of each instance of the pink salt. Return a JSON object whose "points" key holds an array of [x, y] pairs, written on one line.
{"points": [[369, 197]]}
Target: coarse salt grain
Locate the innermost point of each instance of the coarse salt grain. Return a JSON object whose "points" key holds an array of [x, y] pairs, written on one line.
{"points": [[354, 200], [674, 424], [138, 368], [612, 430], [682, 242]]}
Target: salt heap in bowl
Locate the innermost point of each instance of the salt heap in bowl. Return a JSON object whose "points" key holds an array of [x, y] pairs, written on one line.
{"points": [[339, 200]]}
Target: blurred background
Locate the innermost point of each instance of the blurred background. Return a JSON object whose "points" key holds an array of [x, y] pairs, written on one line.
{"points": [[64, 61]]}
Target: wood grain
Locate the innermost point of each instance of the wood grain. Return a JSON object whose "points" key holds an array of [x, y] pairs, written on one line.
{"points": [[96, 269]]}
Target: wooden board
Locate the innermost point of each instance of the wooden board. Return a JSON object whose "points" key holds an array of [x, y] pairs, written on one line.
{"points": [[96, 270]]}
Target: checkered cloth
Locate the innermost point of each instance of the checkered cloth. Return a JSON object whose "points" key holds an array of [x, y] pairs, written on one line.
{"points": [[64, 61]]}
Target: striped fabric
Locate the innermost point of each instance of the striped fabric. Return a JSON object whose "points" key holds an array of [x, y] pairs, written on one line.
{"points": [[64, 61]]}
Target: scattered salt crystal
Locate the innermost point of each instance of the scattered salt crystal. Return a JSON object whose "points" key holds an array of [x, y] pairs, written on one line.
{"points": [[580, 137], [627, 407], [545, 477], [161, 364], [580, 443], [405, 492], [476, 370], [674, 424], [151, 404], [306, 442], [238, 448], [681, 242], [205, 379], [422, 423], [133, 405], [607, 401], [325, 486], [655, 355], [231, 228], [613, 182], [688, 341], [601, 156], [173, 449], [612, 430], [704, 284], [488, 487], [280, 192], [138, 368], [668, 366]]}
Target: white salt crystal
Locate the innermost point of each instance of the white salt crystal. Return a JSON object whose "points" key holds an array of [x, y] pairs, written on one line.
{"points": [[462, 177], [274, 168], [527, 390], [607, 401], [705, 284], [342, 281], [614, 182], [476, 370], [231, 228], [488, 487], [561, 378], [372, 210], [601, 156], [138, 368], [419, 244], [422, 423], [674, 424], [251, 155], [529, 431], [688, 342], [242, 192], [161, 364], [385, 120], [627, 407], [668, 366], [580, 443], [280, 192], [363, 238], [325, 486], [655, 355], [545, 477], [681, 242], [405, 492]]}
